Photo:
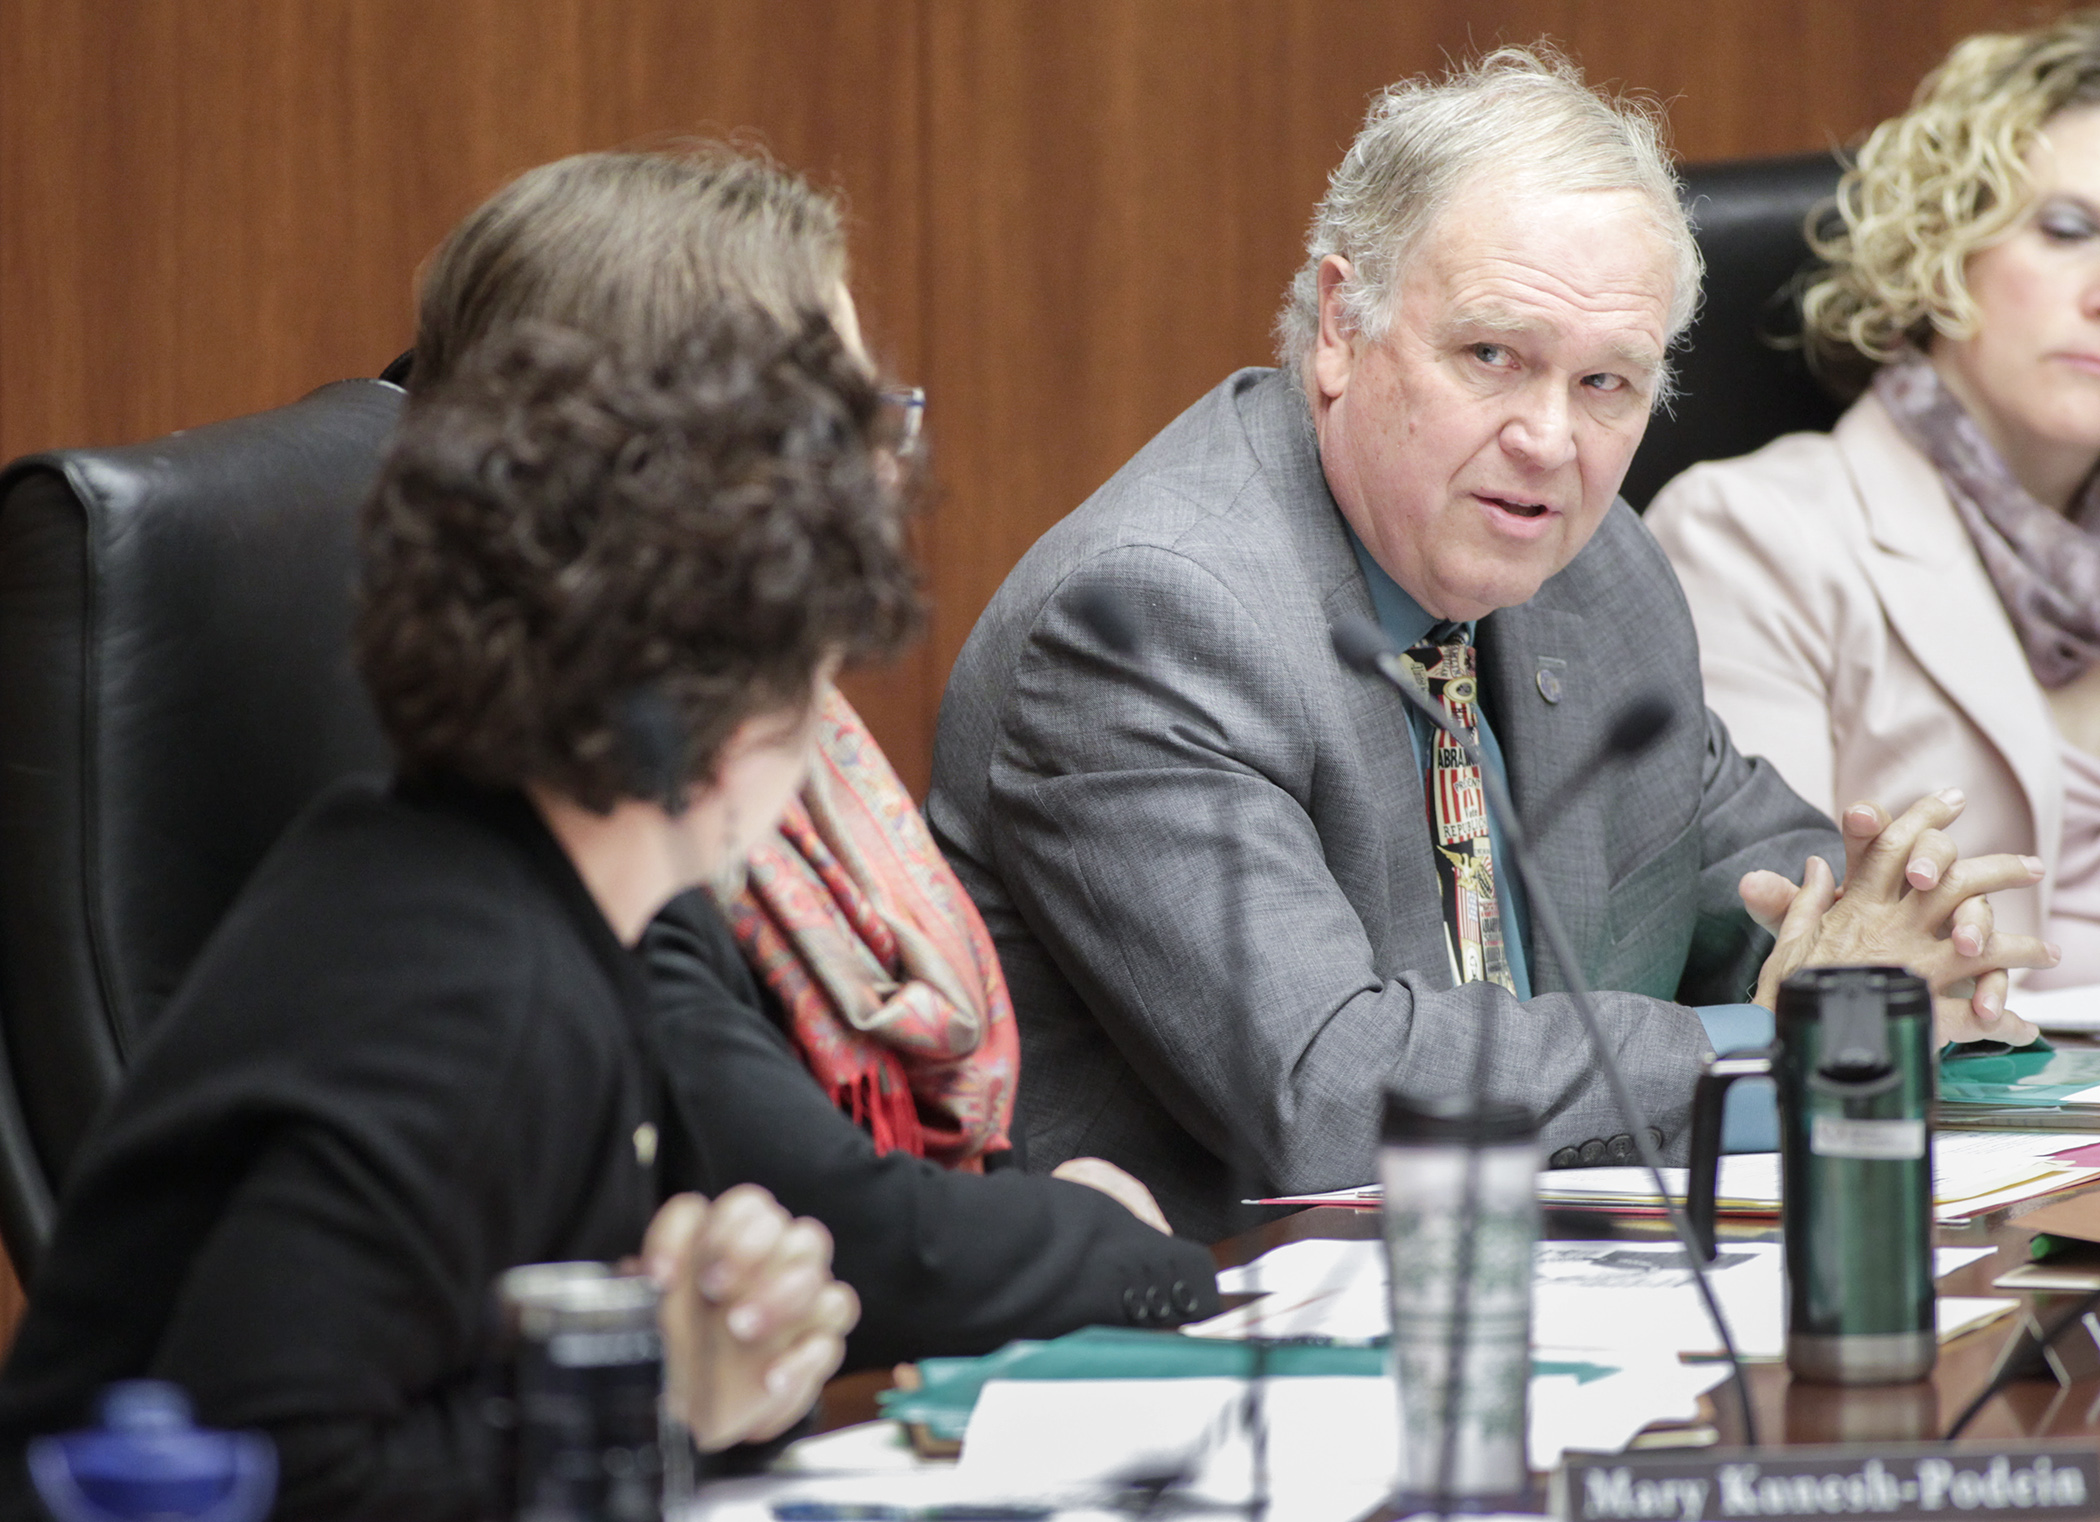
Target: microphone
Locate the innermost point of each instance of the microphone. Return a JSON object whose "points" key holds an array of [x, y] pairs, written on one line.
{"points": [[1364, 647]]}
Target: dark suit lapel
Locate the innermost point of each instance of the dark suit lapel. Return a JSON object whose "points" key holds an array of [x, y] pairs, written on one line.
{"points": [[1544, 699]]}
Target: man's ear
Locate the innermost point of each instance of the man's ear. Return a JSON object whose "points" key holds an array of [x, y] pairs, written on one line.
{"points": [[1334, 353]]}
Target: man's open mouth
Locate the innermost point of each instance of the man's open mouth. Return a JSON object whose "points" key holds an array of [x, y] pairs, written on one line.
{"points": [[1519, 509]]}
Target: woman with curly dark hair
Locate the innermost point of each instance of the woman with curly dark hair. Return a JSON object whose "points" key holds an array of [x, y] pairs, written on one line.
{"points": [[833, 1018], [604, 583]]}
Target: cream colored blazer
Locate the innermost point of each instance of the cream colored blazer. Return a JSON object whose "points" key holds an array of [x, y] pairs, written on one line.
{"points": [[1849, 633]]}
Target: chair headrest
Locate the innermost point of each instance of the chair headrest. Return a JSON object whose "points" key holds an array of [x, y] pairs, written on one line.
{"points": [[175, 685], [1737, 390]]}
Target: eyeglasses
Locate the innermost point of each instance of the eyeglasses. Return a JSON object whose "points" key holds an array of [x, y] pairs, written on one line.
{"points": [[910, 403]]}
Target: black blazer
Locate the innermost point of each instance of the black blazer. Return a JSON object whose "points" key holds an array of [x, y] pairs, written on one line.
{"points": [[412, 1056], [945, 1263]]}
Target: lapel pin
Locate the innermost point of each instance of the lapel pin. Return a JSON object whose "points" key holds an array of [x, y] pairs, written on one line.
{"points": [[1549, 678]]}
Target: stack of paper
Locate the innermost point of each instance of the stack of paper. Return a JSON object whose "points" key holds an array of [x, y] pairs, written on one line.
{"points": [[1748, 1184], [2028, 1090], [1973, 1171], [1627, 1299]]}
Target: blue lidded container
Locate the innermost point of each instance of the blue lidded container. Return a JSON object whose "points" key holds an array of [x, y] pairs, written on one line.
{"points": [[149, 1459]]}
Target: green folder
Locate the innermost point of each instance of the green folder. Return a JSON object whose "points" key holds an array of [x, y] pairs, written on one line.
{"points": [[2021, 1090], [951, 1385]]}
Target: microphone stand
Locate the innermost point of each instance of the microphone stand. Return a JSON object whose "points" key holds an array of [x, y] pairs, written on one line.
{"points": [[1364, 647], [2017, 1363]]}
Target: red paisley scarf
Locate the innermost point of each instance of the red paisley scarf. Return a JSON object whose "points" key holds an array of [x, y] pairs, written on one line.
{"points": [[893, 993]]}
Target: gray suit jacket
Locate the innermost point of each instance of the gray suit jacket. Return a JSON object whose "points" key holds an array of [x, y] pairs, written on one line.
{"points": [[1207, 864]]}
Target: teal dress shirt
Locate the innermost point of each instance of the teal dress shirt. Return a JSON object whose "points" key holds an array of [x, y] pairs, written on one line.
{"points": [[1751, 1120]]}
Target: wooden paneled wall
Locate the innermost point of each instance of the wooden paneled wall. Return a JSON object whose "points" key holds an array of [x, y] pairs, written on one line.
{"points": [[1071, 217]]}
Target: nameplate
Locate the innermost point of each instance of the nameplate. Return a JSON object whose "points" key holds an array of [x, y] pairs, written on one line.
{"points": [[1899, 1481]]}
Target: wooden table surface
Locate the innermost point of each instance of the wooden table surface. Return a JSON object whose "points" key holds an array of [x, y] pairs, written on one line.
{"points": [[1800, 1412], [1787, 1411]]}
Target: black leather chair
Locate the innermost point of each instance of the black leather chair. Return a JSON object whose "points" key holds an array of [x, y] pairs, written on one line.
{"points": [[1737, 388], [175, 685]]}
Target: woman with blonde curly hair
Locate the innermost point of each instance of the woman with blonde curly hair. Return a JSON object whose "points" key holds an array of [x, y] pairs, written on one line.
{"points": [[1912, 601]]}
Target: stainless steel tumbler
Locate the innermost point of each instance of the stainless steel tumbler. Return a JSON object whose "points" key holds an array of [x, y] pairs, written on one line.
{"points": [[1461, 1222]]}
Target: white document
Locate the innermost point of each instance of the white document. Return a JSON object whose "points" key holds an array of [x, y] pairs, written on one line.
{"points": [[1604, 1415], [1333, 1441], [1312, 1265], [1972, 1171], [1634, 1298], [753, 1499], [2059, 1009], [1638, 1295], [1620, 1295], [1748, 1178]]}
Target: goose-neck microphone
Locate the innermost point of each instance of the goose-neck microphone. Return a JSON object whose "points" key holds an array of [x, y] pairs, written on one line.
{"points": [[1363, 646]]}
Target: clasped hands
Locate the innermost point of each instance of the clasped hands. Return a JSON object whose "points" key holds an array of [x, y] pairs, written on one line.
{"points": [[1909, 899], [753, 1323]]}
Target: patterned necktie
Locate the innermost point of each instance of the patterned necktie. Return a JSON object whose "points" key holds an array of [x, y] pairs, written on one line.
{"points": [[1458, 821]]}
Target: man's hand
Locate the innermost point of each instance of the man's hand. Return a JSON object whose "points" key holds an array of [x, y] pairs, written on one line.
{"points": [[1098, 1173], [1909, 900], [753, 1322]]}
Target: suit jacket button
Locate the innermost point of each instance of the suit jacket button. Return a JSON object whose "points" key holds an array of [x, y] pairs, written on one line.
{"points": [[1566, 1157], [1592, 1152], [1184, 1298], [1157, 1303], [1621, 1149], [1134, 1306]]}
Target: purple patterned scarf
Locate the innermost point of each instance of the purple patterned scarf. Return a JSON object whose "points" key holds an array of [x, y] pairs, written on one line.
{"points": [[2045, 564]]}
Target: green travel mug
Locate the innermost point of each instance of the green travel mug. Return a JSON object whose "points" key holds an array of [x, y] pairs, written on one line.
{"points": [[1852, 1062]]}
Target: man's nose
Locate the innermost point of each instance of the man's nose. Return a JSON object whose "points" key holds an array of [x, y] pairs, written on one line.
{"points": [[1541, 431]]}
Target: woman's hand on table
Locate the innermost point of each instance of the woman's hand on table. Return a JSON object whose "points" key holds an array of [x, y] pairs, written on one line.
{"points": [[753, 1322]]}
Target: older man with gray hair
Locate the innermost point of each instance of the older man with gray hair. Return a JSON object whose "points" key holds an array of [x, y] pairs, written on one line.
{"points": [[1238, 890]]}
